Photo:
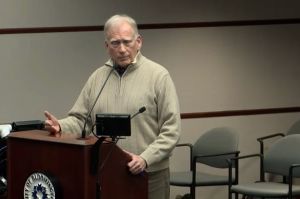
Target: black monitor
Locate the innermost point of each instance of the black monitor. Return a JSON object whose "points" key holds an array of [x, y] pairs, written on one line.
{"points": [[113, 124]]}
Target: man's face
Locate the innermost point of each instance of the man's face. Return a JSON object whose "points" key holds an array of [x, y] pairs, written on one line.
{"points": [[122, 45]]}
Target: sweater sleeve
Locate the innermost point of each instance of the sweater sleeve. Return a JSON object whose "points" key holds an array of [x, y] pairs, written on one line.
{"points": [[169, 122]]}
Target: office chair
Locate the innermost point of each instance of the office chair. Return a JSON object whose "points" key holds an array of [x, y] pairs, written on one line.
{"points": [[213, 148], [281, 159]]}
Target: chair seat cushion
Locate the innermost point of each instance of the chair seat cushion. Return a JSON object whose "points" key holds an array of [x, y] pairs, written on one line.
{"points": [[266, 189], [202, 179]]}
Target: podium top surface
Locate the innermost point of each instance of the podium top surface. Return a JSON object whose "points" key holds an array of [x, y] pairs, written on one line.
{"points": [[40, 135]]}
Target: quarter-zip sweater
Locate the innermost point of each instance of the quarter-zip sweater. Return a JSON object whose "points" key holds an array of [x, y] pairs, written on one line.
{"points": [[155, 132]]}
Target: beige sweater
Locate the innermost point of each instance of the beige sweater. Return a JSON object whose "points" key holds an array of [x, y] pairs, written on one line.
{"points": [[155, 132]]}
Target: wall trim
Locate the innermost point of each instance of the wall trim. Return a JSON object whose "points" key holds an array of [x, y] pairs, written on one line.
{"points": [[30, 30], [246, 112]]}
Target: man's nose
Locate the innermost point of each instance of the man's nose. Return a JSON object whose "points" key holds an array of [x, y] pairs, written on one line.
{"points": [[122, 47]]}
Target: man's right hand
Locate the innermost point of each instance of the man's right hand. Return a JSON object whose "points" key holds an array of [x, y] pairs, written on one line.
{"points": [[52, 125]]}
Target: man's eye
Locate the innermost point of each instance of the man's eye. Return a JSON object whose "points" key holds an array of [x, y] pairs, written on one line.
{"points": [[126, 42], [115, 43]]}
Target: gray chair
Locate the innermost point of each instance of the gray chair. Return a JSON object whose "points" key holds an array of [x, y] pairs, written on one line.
{"points": [[213, 148], [294, 129], [281, 159]]}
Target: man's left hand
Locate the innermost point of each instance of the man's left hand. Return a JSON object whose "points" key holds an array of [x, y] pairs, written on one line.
{"points": [[137, 164]]}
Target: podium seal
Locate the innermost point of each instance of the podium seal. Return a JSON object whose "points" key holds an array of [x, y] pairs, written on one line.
{"points": [[39, 185]]}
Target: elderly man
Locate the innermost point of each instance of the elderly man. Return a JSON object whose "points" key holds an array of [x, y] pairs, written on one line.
{"points": [[131, 81]]}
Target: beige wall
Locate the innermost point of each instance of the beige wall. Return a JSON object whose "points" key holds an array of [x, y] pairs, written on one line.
{"points": [[214, 69]]}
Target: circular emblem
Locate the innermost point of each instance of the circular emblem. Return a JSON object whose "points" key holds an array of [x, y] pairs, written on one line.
{"points": [[39, 186]]}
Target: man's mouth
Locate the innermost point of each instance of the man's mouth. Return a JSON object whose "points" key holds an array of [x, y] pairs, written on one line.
{"points": [[123, 58]]}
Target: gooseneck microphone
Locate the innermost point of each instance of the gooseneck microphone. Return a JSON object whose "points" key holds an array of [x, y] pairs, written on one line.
{"points": [[141, 110], [83, 133]]}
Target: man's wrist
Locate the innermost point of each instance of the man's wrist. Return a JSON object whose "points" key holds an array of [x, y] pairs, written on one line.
{"points": [[146, 164]]}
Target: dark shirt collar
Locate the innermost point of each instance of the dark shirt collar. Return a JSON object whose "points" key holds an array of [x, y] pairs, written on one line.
{"points": [[120, 69]]}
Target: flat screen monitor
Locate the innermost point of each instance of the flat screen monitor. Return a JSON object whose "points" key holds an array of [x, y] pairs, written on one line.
{"points": [[113, 125]]}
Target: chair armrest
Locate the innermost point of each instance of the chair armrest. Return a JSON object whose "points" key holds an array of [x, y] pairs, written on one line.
{"points": [[196, 158], [246, 156], [194, 167], [295, 165], [215, 155], [236, 159], [291, 169], [190, 146], [261, 140], [270, 136]]}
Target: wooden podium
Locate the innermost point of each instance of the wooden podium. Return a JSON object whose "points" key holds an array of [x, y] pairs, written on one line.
{"points": [[67, 162]]}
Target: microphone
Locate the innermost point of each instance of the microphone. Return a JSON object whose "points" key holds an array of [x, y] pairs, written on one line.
{"points": [[141, 110], [83, 133]]}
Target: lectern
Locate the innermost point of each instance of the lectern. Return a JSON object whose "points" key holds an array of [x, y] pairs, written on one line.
{"points": [[37, 161]]}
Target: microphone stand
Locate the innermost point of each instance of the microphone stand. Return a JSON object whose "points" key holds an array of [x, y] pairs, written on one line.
{"points": [[83, 133]]}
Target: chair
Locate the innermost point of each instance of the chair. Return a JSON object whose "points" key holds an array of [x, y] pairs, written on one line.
{"points": [[294, 129], [213, 148], [281, 159]]}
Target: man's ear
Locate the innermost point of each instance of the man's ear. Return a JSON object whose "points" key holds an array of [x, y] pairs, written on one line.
{"points": [[106, 44], [139, 41]]}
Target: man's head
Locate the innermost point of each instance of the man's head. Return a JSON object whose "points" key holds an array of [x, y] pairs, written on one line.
{"points": [[122, 39]]}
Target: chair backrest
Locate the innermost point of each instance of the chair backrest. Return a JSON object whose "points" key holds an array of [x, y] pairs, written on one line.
{"points": [[294, 129], [282, 154], [216, 141]]}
